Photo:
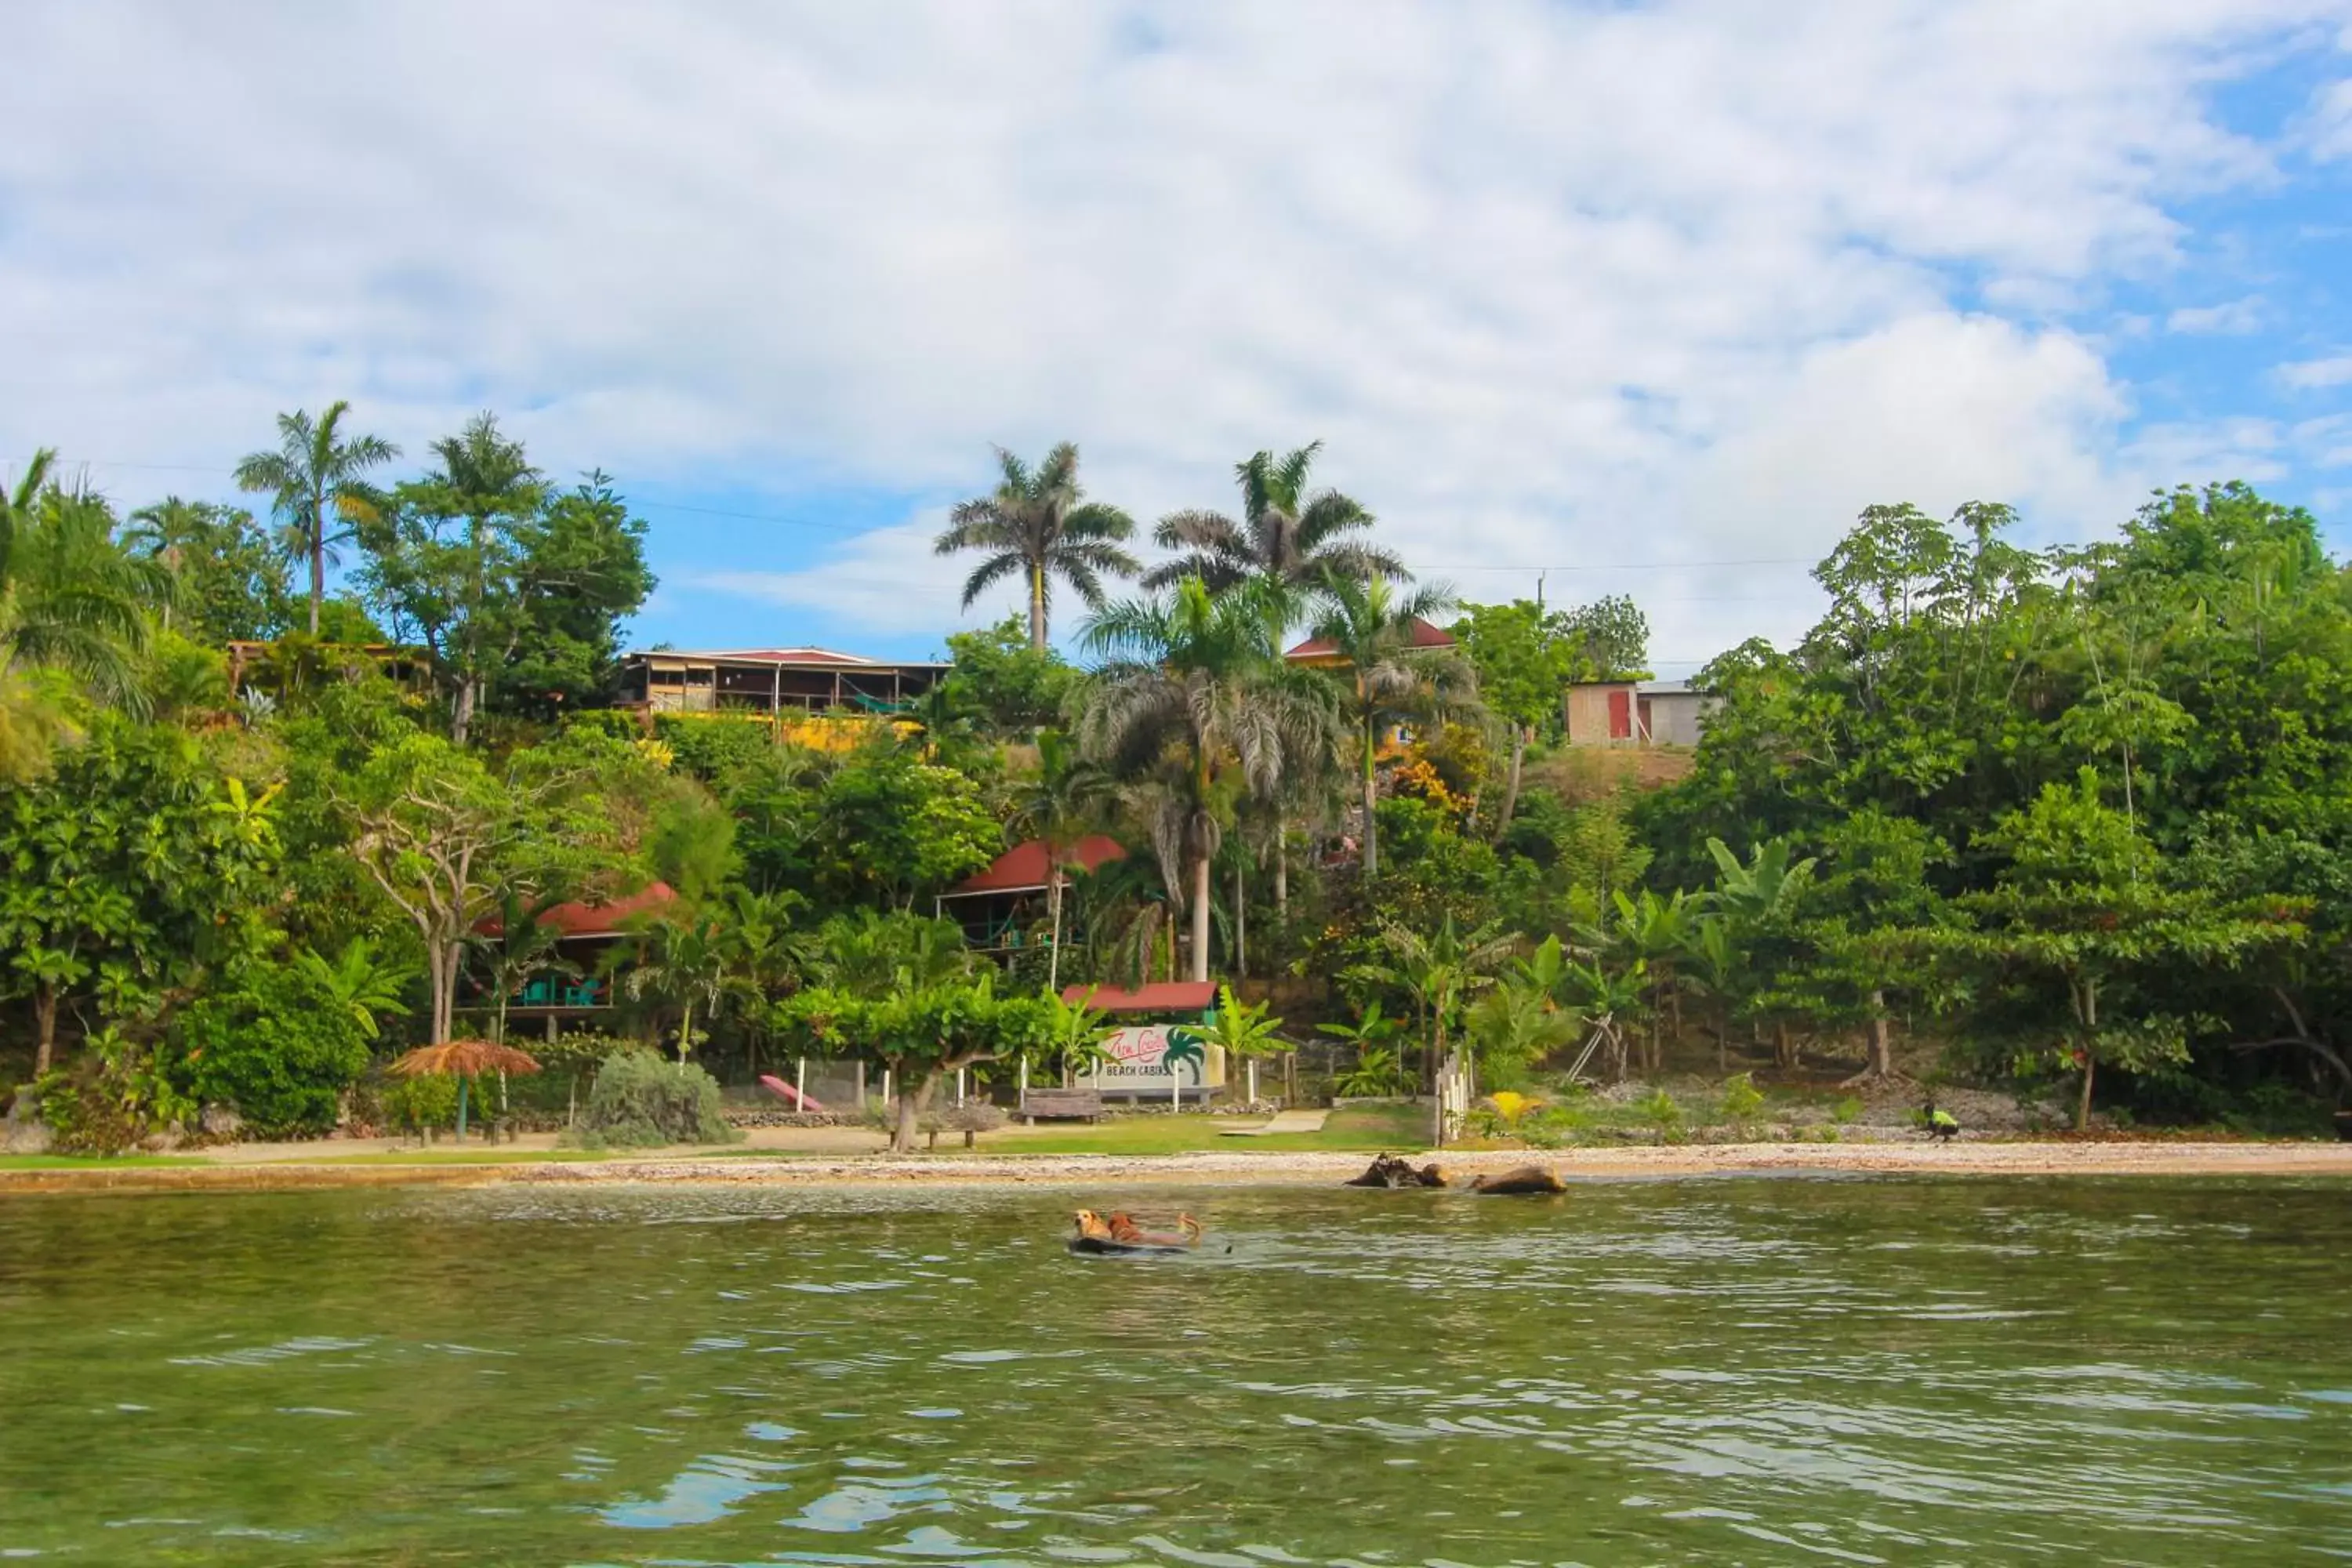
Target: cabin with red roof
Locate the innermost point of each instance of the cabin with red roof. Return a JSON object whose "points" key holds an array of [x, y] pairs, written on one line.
{"points": [[1317, 653], [999, 907], [771, 682], [575, 985]]}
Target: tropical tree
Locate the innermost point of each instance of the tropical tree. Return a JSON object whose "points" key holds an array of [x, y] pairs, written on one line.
{"points": [[1066, 799], [1522, 1019], [1288, 534], [71, 598], [2081, 908], [1242, 1032], [1194, 695], [444, 558], [1037, 522], [230, 582], [1384, 673], [314, 483], [1441, 969], [686, 962], [136, 871]]}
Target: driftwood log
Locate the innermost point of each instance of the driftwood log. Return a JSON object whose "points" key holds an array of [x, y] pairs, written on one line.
{"points": [[1395, 1171], [1520, 1181]]}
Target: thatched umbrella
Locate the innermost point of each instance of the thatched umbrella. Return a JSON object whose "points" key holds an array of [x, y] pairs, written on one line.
{"points": [[467, 1059]]}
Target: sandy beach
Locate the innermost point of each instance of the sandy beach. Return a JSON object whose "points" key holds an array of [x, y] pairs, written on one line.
{"points": [[1237, 1168]]}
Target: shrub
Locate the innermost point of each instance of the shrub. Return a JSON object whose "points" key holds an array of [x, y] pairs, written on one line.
{"points": [[1661, 1110], [1741, 1099], [1847, 1112], [642, 1101], [280, 1046], [1377, 1072], [428, 1100], [115, 1100]]}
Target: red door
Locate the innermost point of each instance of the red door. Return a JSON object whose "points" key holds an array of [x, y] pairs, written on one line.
{"points": [[1621, 715]]}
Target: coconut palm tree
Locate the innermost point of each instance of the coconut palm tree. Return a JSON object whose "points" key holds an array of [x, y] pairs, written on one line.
{"points": [[1039, 523], [71, 598], [1287, 532], [1371, 627], [316, 470], [1195, 697]]}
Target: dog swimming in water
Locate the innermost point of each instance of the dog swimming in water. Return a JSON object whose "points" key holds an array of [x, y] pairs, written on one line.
{"points": [[1118, 1233]]}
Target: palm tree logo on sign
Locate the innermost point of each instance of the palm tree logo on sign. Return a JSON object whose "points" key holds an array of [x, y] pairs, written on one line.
{"points": [[1184, 1046]]}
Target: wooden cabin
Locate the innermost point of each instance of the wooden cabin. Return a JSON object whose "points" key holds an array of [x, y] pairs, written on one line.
{"points": [[775, 682], [998, 907], [575, 987]]}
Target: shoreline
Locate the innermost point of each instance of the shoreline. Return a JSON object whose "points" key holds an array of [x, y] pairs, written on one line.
{"points": [[1222, 1168]]}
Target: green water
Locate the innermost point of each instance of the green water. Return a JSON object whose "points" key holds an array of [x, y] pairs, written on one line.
{"points": [[1737, 1370]]}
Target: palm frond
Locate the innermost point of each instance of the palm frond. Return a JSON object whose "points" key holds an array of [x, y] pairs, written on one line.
{"points": [[989, 572]]}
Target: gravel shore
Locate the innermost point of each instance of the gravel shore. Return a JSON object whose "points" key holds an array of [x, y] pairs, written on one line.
{"points": [[2034, 1159], [1242, 1168]]}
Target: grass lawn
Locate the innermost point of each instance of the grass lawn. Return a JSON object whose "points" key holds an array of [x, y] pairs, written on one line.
{"points": [[89, 1161], [1368, 1128]]}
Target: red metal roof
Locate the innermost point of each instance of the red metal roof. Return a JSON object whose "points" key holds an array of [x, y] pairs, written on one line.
{"points": [[1161, 997], [1023, 868], [1424, 635], [825, 657], [579, 919]]}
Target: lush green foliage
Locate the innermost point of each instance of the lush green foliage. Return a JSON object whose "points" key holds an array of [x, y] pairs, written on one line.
{"points": [[2073, 820]]}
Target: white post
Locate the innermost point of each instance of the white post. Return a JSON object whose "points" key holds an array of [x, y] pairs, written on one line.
{"points": [[1175, 1085], [958, 1085], [861, 1086], [1022, 1099], [885, 1086], [800, 1085], [1253, 1081]]}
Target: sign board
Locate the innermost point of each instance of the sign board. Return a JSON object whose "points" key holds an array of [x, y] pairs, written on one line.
{"points": [[1154, 1059]]}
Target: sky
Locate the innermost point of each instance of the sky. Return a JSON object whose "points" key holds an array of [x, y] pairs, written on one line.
{"points": [[1643, 299]]}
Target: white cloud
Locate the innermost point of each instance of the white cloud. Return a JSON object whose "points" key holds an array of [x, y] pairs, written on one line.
{"points": [[1558, 283], [2231, 318], [2330, 131], [2315, 374]]}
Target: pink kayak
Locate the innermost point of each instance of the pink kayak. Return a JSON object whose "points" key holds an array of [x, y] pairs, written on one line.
{"points": [[788, 1094]]}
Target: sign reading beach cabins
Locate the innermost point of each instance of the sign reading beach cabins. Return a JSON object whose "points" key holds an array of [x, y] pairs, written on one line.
{"points": [[1154, 1059]]}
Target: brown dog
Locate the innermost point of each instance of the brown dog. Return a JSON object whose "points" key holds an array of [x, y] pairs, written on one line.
{"points": [[1127, 1233]]}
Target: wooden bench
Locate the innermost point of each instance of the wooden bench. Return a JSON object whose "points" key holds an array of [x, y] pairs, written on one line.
{"points": [[1062, 1105]]}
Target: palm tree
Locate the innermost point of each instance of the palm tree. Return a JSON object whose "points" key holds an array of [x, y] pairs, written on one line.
{"points": [[70, 597], [1039, 523], [1194, 696], [1440, 969], [1286, 533], [1371, 627], [1059, 806], [485, 479], [314, 470]]}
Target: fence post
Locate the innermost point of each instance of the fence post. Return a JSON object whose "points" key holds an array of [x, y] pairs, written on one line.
{"points": [[861, 1086], [1021, 1098], [800, 1085]]}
